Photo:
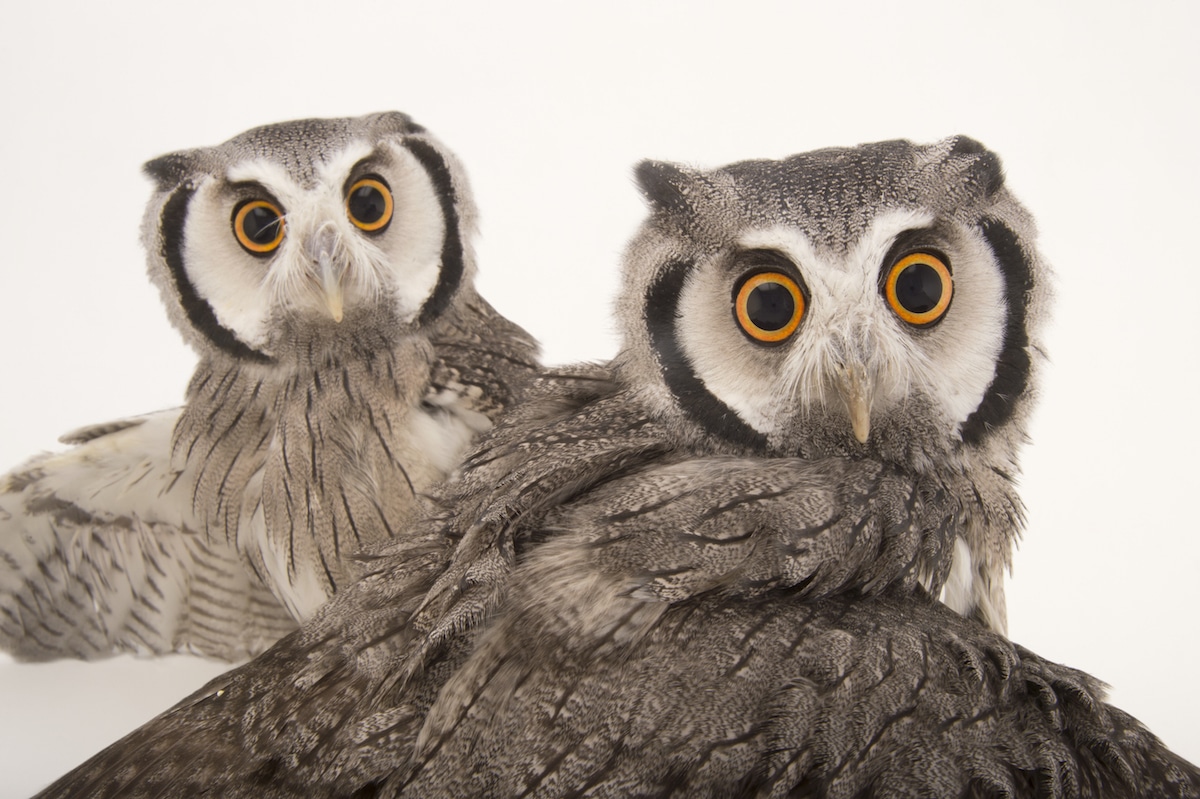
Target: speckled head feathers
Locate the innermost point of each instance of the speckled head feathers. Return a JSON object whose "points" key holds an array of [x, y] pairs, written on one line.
{"points": [[247, 300], [834, 222]]}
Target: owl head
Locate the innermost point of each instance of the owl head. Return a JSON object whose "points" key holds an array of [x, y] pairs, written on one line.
{"points": [[312, 233], [878, 300]]}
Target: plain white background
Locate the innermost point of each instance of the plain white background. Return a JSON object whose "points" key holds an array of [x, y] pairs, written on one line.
{"points": [[1091, 105]]}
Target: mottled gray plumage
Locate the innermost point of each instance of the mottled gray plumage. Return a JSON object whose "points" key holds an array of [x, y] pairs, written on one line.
{"points": [[643, 584], [344, 369]]}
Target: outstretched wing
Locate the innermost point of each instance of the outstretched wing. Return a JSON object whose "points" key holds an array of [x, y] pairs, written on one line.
{"points": [[100, 553], [317, 714]]}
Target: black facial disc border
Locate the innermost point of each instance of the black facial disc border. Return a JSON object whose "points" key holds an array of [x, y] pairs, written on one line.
{"points": [[695, 400], [199, 312], [1013, 367], [453, 255]]}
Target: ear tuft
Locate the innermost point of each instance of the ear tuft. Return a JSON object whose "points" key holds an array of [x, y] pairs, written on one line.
{"points": [[170, 170], [667, 187], [965, 145], [986, 169], [394, 122]]}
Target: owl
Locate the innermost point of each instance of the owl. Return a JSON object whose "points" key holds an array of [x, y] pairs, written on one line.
{"points": [[322, 270], [711, 567]]}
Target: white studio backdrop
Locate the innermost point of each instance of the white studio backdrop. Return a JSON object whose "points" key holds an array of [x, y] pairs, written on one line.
{"points": [[1091, 105]]}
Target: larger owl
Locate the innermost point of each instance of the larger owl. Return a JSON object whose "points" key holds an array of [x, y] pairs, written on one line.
{"points": [[710, 567], [323, 271]]}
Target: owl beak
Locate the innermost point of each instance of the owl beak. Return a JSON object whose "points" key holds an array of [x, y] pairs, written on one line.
{"points": [[331, 285], [854, 387], [321, 248]]}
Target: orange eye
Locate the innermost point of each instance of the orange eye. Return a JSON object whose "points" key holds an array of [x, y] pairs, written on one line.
{"points": [[258, 226], [919, 288], [768, 306], [369, 204]]}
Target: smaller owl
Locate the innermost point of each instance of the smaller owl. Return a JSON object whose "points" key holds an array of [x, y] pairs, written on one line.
{"points": [[323, 271], [709, 568]]}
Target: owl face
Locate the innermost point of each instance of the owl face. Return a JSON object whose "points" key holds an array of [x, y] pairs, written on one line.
{"points": [[864, 299], [294, 233]]}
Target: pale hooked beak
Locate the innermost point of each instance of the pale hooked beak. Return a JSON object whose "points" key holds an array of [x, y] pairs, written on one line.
{"points": [[322, 248], [855, 389], [331, 283]]}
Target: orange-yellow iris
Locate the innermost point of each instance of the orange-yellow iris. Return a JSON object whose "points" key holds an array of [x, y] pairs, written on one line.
{"points": [[769, 307], [258, 226], [919, 288], [369, 204]]}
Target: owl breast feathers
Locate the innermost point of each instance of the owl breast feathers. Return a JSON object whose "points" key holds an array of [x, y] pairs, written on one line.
{"points": [[709, 568], [323, 271]]}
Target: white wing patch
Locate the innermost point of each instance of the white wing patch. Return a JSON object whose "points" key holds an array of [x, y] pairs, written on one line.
{"points": [[126, 473], [958, 592], [100, 552]]}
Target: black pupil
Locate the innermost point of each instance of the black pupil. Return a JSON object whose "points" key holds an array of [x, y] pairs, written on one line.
{"points": [[919, 288], [770, 306], [367, 204], [261, 225]]}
